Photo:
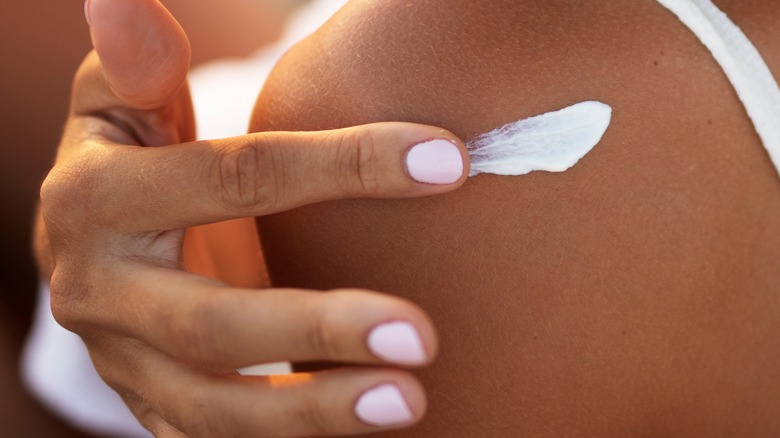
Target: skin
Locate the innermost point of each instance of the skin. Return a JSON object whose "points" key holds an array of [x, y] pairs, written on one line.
{"points": [[634, 295], [36, 95], [41, 60], [127, 184]]}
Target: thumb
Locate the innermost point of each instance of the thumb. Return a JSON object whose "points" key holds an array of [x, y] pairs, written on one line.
{"points": [[144, 52]]}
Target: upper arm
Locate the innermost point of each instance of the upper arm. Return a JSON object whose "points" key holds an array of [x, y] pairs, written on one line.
{"points": [[633, 284]]}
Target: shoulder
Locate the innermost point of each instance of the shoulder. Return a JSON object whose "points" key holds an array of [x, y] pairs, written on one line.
{"points": [[676, 208], [379, 60]]}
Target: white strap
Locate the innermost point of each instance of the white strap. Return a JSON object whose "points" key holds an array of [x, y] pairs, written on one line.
{"points": [[747, 71]]}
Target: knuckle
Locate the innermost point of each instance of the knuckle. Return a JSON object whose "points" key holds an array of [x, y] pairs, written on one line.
{"points": [[145, 415], [204, 418], [357, 153], [312, 414], [117, 361], [246, 178], [56, 190], [320, 337], [72, 189], [195, 330], [52, 190], [66, 300], [61, 308]]}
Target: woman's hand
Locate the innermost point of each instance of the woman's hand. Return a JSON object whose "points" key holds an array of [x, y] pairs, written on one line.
{"points": [[113, 219]]}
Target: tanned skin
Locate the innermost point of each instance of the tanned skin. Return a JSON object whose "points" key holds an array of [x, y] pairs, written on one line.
{"points": [[637, 294]]}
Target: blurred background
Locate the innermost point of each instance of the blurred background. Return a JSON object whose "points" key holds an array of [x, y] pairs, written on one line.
{"points": [[43, 42]]}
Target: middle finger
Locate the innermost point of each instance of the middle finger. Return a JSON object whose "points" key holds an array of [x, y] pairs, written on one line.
{"points": [[194, 319]]}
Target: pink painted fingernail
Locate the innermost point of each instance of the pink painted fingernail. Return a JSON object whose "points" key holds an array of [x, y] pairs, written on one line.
{"points": [[86, 11], [383, 406], [397, 342], [435, 162]]}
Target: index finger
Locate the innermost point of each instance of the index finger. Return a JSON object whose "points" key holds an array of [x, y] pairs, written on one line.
{"points": [[257, 174]]}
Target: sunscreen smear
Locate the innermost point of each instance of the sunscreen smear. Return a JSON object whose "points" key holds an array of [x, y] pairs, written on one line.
{"points": [[552, 142]]}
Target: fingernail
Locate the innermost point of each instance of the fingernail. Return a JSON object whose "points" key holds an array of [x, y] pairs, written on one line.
{"points": [[86, 11], [435, 162], [397, 342], [383, 406]]}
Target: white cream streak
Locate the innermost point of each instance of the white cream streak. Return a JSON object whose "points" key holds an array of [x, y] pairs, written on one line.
{"points": [[747, 71], [552, 142]]}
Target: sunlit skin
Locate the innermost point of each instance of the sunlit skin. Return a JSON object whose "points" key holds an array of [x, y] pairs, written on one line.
{"points": [[128, 181], [634, 295]]}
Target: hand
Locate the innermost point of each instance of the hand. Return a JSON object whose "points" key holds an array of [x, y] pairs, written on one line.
{"points": [[113, 218]]}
